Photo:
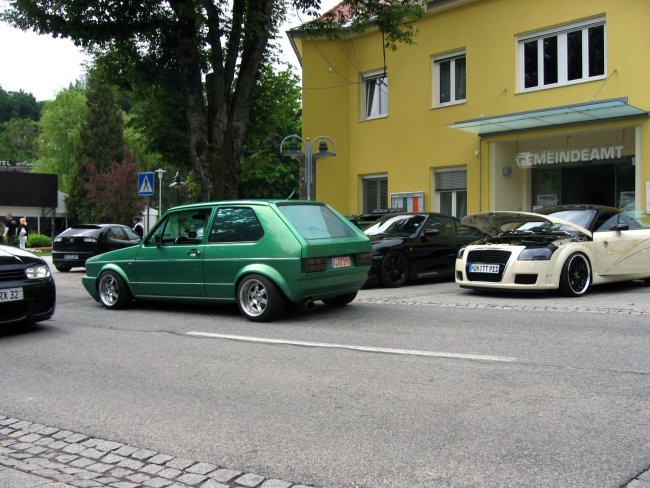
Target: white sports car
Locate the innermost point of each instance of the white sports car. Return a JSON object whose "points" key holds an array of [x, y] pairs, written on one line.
{"points": [[566, 248]]}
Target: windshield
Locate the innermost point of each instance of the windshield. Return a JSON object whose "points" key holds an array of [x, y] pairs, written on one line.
{"points": [[316, 221], [397, 225], [579, 217]]}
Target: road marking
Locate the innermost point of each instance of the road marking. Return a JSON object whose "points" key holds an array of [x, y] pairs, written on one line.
{"points": [[382, 350]]}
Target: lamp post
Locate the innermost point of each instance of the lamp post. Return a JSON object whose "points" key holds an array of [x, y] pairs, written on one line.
{"points": [[176, 183], [294, 142], [160, 173]]}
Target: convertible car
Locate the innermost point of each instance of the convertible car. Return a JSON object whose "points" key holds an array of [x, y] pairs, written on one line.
{"points": [[566, 248]]}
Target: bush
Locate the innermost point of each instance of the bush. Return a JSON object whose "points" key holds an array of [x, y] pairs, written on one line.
{"points": [[38, 240]]}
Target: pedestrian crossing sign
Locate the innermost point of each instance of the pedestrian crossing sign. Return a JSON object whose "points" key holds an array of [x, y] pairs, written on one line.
{"points": [[145, 184]]}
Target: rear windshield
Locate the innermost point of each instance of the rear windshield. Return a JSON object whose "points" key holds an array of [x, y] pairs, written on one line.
{"points": [[316, 221]]}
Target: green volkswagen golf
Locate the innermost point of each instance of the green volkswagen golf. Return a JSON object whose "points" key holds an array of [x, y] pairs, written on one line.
{"points": [[260, 254]]}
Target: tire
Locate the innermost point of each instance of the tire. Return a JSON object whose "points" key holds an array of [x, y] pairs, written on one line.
{"points": [[394, 270], [340, 300], [112, 291], [259, 299], [575, 278], [63, 269]]}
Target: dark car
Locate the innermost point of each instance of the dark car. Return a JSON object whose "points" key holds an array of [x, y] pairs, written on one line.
{"points": [[414, 245], [363, 221], [74, 245], [27, 291]]}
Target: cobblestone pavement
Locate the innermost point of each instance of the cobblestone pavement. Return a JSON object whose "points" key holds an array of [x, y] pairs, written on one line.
{"points": [[37, 456]]}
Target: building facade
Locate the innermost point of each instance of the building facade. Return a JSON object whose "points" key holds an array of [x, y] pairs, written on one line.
{"points": [[498, 105]]}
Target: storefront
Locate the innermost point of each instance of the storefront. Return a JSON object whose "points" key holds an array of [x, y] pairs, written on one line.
{"points": [[587, 153]]}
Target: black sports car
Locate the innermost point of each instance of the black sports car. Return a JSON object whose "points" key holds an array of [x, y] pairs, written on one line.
{"points": [[74, 245], [27, 291], [416, 245]]}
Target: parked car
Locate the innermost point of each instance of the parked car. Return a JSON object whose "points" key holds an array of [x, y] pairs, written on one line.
{"points": [[27, 291], [261, 255], [72, 247], [363, 221], [566, 248], [415, 245]]}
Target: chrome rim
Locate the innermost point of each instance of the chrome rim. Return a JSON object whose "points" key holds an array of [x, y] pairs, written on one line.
{"points": [[579, 275], [109, 290], [253, 297]]}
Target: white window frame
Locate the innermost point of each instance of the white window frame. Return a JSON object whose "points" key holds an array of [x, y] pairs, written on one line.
{"points": [[379, 106], [453, 192], [450, 57], [364, 181], [561, 34]]}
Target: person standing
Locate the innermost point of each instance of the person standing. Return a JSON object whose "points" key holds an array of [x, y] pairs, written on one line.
{"points": [[11, 230], [138, 228], [22, 233]]}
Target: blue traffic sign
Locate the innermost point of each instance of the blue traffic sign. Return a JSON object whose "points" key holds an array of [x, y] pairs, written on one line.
{"points": [[145, 184]]}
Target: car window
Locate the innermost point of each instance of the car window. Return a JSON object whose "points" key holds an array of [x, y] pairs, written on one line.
{"points": [[633, 219], [182, 227], [116, 233], [236, 224], [316, 221], [398, 225]]}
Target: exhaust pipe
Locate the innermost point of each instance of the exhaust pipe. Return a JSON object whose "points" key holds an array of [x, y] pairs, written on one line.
{"points": [[307, 304]]}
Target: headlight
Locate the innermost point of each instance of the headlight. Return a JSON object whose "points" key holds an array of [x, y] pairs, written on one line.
{"points": [[90, 239], [460, 254], [536, 254], [37, 272]]}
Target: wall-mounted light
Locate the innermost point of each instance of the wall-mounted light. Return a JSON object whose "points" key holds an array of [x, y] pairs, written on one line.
{"points": [[506, 170]]}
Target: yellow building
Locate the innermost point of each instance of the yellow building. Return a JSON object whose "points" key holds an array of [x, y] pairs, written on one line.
{"points": [[499, 105]]}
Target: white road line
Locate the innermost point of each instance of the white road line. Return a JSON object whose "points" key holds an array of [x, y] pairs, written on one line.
{"points": [[383, 350]]}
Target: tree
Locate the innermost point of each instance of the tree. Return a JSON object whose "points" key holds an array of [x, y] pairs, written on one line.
{"points": [[211, 51], [19, 140], [60, 128], [101, 144], [18, 105]]}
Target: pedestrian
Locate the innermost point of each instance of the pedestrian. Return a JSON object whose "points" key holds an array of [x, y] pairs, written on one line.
{"points": [[22, 233], [138, 228], [11, 230]]}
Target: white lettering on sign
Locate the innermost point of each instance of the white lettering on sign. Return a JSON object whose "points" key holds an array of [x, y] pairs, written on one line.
{"points": [[538, 158]]}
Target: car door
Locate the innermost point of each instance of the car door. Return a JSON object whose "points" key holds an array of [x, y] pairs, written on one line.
{"points": [[622, 245], [170, 261], [433, 250]]}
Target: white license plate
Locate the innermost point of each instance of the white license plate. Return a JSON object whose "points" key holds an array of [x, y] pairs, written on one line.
{"points": [[11, 294], [341, 262], [71, 256], [483, 268]]}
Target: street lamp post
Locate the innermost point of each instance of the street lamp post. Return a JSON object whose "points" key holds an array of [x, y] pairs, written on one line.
{"points": [[177, 183], [160, 173], [294, 142]]}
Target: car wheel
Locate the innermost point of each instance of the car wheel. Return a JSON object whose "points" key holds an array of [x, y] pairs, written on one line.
{"points": [[394, 270], [63, 269], [112, 291], [576, 275], [259, 299], [340, 300]]}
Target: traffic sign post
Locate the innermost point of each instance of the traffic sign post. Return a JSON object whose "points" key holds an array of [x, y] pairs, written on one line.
{"points": [[145, 184]]}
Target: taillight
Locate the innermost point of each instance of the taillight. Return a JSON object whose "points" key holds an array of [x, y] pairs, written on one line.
{"points": [[363, 259], [310, 265]]}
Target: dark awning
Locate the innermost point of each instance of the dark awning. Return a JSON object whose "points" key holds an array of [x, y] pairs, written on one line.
{"points": [[615, 108]]}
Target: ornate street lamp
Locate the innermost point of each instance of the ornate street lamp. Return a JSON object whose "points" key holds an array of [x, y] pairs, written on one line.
{"points": [[177, 183], [293, 145]]}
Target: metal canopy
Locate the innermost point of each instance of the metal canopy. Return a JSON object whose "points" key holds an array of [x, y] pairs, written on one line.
{"points": [[615, 108]]}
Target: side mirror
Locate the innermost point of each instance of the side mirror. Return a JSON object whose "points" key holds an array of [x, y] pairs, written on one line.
{"points": [[620, 227]]}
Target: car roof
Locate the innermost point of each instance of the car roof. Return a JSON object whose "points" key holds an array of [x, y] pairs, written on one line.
{"points": [[578, 206]]}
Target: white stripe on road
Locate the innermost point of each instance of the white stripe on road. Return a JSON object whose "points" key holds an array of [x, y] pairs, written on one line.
{"points": [[383, 350]]}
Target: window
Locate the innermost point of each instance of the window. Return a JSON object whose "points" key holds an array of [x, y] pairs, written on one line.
{"points": [[375, 95], [556, 57], [375, 193], [237, 224], [451, 192], [184, 227], [316, 221], [450, 75]]}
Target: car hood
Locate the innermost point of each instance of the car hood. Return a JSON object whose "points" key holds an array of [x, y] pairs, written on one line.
{"points": [[495, 223], [12, 255]]}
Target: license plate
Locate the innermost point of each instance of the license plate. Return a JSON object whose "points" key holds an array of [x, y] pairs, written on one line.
{"points": [[341, 262], [483, 268], [71, 256], [11, 294]]}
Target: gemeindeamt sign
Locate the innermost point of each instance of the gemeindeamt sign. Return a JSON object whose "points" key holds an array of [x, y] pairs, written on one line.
{"points": [[556, 156]]}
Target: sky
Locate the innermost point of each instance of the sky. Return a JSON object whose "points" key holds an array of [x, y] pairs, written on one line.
{"points": [[43, 65]]}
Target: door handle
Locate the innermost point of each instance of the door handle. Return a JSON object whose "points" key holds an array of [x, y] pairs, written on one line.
{"points": [[193, 252]]}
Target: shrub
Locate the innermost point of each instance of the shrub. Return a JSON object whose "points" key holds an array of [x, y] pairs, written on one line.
{"points": [[38, 240]]}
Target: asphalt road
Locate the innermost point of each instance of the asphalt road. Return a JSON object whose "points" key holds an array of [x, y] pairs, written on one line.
{"points": [[423, 386]]}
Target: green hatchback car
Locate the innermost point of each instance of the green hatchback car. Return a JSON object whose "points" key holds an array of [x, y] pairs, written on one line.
{"points": [[261, 254]]}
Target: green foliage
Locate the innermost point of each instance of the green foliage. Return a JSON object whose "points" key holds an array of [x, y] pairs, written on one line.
{"points": [[60, 133], [38, 240], [18, 105], [19, 140]]}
